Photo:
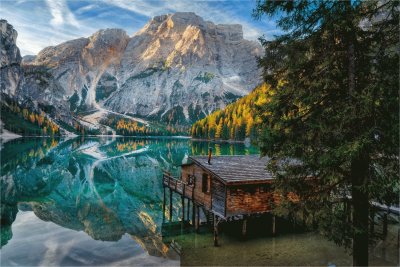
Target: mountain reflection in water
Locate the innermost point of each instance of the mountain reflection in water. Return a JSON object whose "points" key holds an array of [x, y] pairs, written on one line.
{"points": [[109, 188], [98, 201]]}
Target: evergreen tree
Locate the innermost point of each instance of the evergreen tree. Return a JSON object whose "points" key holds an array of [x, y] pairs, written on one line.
{"points": [[334, 107], [236, 121]]}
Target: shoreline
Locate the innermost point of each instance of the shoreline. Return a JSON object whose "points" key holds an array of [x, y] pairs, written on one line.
{"points": [[220, 141], [7, 136]]}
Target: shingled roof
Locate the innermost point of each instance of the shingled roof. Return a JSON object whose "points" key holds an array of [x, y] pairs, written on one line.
{"points": [[236, 169]]}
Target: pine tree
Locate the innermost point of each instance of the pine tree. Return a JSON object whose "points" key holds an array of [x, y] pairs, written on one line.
{"points": [[334, 106]]}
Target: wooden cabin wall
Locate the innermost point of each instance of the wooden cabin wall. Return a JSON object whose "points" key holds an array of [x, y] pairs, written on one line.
{"points": [[247, 199], [199, 196], [218, 196]]}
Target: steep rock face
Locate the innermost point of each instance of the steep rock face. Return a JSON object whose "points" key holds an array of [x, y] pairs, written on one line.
{"points": [[11, 74], [177, 69], [182, 64], [77, 66]]}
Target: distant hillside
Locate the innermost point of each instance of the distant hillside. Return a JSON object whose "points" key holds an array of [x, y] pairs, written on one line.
{"points": [[236, 122]]}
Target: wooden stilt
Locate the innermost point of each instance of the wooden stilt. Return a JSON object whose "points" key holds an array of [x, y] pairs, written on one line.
{"points": [[193, 213], [170, 205], [197, 224], [215, 231], [244, 227], [183, 208], [188, 210], [273, 225], [294, 222], [163, 208]]}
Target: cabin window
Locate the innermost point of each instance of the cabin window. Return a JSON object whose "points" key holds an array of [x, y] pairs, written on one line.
{"points": [[191, 179], [251, 190], [264, 188], [204, 183]]}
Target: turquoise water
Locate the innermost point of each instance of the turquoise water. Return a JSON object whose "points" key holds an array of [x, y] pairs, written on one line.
{"points": [[98, 201]]}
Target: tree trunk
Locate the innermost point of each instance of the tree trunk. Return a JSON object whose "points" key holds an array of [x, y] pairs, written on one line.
{"points": [[359, 165], [359, 172]]}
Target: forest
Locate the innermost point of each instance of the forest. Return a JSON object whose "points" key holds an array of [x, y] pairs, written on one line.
{"points": [[24, 121], [237, 121]]}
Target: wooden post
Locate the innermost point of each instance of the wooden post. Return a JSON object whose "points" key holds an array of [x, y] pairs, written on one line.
{"points": [[215, 231], [273, 225], [197, 223], [193, 213], [163, 207], [188, 210], [183, 208], [244, 226], [170, 205], [183, 203]]}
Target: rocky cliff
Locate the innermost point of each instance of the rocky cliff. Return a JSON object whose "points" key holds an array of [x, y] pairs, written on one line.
{"points": [[176, 69], [11, 74], [182, 65]]}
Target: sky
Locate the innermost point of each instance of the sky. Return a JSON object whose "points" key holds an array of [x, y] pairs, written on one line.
{"points": [[42, 23]]}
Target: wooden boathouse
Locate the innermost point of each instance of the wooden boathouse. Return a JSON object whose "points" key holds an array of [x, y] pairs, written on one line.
{"points": [[224, 188]]}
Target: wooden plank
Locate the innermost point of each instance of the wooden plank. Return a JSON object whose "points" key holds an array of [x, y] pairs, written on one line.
{"points": [[273, 225], [218, 197], [248, 200], [244, 227], [170, 204], [183, 208], [193, 213], [215, 231], [164, 200]]}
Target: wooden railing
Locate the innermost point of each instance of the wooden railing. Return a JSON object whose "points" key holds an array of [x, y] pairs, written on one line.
{"points": [[178, 185]]}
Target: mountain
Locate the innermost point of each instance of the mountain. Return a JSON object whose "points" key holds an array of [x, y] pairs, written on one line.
{"points": [[10, 60], [177, 69], [182, 65], [237, 121]]}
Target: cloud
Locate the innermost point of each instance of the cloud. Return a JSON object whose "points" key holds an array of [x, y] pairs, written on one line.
{"points": [[51, 22], [224, 12], [84, 9], [31, 20], [61, 13]]}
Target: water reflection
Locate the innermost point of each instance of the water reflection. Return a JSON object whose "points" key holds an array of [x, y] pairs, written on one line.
{"points": [[94, 201], [105, 187]]}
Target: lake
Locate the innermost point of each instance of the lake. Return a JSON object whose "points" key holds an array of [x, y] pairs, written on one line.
{"points": [[98, 201]]}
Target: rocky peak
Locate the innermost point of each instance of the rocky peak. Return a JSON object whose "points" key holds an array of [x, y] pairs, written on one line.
{"points": [[10, 59], [183, 62], [180, 21], [9, 51]]}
